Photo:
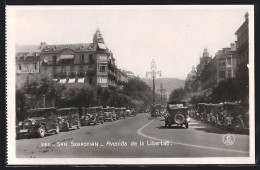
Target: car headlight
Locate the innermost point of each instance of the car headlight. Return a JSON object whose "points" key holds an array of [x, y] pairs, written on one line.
{"points": [[20, 123], [188, 119], [27, 123], [33, 122]]}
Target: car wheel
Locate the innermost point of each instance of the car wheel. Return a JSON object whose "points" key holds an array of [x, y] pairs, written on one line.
{"points": [[67, 126], [57, 129], [41, 131], [238, 127]]}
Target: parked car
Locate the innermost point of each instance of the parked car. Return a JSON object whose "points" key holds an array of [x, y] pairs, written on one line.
{"points": [[109, 114], [100, 115], [123, 114], [68, 118], [214, 115], [230, 116], [241, 122], [118, 113], [133, 111], [90, 117], [200, 111], [39, 121], [208, 113], [177, 114]]}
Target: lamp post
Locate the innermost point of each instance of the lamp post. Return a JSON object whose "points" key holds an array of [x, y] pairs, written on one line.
{"points": [[153, 74], [162, 91]]}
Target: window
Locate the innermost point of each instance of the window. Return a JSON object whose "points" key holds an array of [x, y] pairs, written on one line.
{"points": [[228, 61], [81, 58], [90, 58], [20, 67], [102, 68], [229, 74], [221, 62], [80, 68], [54, 58], [222, 74]]}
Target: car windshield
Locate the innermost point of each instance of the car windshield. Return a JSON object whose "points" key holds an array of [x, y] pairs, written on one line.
{"points": [[91, 110], [175, 105], [36, 113]]}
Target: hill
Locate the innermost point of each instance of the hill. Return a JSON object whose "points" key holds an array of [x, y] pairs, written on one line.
{"points": [[168, 83]]}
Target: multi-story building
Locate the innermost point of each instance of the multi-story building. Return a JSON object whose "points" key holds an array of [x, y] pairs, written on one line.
{"points": [[242, 57], [220, 68], [27, 59], [88, 63], [129, 74]]}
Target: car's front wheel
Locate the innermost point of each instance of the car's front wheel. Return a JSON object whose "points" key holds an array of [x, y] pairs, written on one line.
{"points": [[41, 131]]}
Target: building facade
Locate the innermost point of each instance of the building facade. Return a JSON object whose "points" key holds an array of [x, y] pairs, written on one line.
{"points": [[220, 68], [190, 80], [89, 63]]}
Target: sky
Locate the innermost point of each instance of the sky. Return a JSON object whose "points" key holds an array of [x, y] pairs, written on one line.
{"points": [[174, 37]]}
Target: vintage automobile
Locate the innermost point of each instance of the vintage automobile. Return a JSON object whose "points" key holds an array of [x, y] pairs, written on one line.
{"points": [[68, 118], [241, 122], [123, 113], [133, 111], [155, 110], [100, 115], [39, 121], [177, 113], [208, 113], [214, 115], [230, 116], [118, 112], [109, 114], [200, 112], [90, 117]]}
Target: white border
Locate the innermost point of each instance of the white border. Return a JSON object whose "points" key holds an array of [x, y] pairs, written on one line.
{"points": [[10, 59]]}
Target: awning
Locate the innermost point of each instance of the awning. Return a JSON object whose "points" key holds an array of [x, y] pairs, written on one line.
{"points": [[72, 80], [66, 57], [81, 80], [102, 46], [62, 80]]}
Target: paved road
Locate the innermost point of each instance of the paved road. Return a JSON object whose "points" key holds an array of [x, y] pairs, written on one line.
{"points": [[114, 139]]}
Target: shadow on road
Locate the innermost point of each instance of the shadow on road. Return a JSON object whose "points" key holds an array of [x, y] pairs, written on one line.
{"points": [[171, 127]]}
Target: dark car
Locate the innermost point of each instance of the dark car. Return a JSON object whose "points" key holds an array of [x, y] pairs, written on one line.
{"points": [[233, 115], [177, 114], [100, 114], [155, 110], [68, 118], [123, 113], [130, 112], [200, 111], [109, 114], [90, 117], [39, 121], [208, 113], [214, 115], [118, 112]]}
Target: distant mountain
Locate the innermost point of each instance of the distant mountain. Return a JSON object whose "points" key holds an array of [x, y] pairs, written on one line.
{"points": [[168, 83]]}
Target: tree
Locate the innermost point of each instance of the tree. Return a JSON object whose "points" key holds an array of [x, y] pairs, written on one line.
{"points": [[177, 95]]}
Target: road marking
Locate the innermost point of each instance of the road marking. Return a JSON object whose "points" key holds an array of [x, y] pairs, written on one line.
{"points": [[185, 144]]}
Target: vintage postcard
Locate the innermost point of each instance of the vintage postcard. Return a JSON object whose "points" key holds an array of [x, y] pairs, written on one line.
{"points": [[109, 85]]}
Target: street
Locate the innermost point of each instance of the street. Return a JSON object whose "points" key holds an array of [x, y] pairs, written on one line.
{"points": [[135, 137]]}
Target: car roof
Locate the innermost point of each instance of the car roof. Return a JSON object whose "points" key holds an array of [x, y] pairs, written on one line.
{"points": [[41, 109], [69, 108]]}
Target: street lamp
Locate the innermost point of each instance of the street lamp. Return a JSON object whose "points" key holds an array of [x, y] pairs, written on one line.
{"points": [[153, 74]]}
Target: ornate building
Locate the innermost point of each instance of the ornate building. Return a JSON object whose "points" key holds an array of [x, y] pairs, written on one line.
{"points": [[220, 68], [190, 80], [88, 63]]}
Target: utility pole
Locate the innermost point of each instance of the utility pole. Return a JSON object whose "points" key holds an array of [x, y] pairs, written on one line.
{"points": [[162, 91], [153, 74]]}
